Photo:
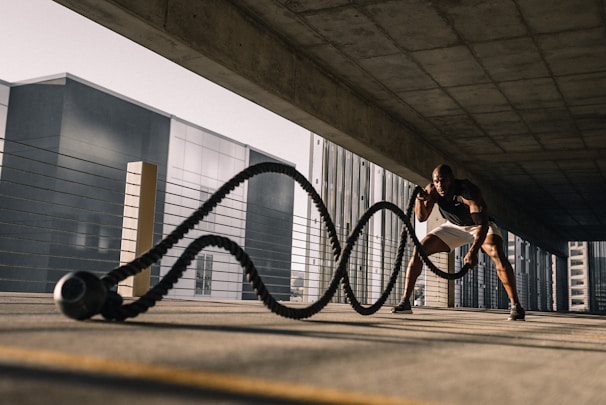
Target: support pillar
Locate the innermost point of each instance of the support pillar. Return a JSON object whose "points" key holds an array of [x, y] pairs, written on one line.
{"points": [[438, 291], [138, 223]]}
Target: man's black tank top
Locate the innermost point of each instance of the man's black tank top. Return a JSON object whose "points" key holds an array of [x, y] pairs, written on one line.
{"points": [[455, 210]]}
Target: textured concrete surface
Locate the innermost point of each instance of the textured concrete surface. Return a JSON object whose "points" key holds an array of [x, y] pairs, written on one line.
{"points": [[233, 352]]}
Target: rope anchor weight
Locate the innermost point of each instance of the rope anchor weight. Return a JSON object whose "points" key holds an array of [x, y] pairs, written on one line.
{"points": [[81, 295]]}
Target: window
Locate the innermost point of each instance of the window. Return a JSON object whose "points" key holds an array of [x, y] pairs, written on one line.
{"points": [[204, 270]]}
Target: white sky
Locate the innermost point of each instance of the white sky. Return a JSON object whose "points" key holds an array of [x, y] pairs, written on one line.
{"points": [[40, 38]]}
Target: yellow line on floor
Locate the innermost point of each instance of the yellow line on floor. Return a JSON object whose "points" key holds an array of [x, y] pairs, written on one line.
{"points": [[199, 379]]}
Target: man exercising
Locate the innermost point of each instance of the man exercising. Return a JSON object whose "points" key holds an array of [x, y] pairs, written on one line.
{"points": [[461, 204]]}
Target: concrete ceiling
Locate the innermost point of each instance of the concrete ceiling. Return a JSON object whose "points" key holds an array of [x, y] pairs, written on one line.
{"points": [[512, 93]]}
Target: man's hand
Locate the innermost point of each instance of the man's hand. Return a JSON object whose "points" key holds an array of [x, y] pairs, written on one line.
{"points": [[426, 193], [422, 195], [425, 202], [471, 258]]}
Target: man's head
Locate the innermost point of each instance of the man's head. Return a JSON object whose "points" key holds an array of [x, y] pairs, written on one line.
{"points": [[443, 179]]}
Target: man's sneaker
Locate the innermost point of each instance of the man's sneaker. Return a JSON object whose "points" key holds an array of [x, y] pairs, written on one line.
{"points": [[517, 313], [403, 307]]}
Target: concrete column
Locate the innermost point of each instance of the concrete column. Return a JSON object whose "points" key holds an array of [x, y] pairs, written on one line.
{"points": [[138, 223], [451, 283], [438, 291]]}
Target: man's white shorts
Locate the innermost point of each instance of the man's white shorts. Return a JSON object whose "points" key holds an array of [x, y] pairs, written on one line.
{"points": [[455, 235]]}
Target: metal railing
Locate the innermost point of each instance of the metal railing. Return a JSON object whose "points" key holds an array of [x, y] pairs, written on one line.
{"points": [[60, 213]]}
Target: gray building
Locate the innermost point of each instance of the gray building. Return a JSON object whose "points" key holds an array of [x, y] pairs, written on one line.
{"points": [[480, 288], [62, 190], [538, 278], [597, 277], [587, 273], [349, 185]]}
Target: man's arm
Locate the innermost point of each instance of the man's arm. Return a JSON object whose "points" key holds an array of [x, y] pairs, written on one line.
{"points": [[425, 201], [479, 215]]}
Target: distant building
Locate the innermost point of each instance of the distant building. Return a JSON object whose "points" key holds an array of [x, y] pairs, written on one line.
{"points": [[538, 279], [349, 185], [578, 268], [480, 287], [597, 276], [67, 146], [587, 273]]}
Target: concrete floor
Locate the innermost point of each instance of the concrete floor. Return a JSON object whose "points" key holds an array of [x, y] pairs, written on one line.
{"points": [[228, 352]]}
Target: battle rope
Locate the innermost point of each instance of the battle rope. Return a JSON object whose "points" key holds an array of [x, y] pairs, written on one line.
{"points": [[81, 295]]}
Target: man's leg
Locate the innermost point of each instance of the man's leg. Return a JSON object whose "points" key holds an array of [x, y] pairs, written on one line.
{"points": [[493, 246], [431, 244]]}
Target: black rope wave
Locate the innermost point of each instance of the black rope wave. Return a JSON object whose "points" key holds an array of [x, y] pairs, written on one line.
{"points": [[112, 307]]}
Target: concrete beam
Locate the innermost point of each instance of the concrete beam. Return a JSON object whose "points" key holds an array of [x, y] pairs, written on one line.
{"points": [[216, 40]]}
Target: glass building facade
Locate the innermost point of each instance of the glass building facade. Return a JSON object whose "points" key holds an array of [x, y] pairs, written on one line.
{"points": [[62, 187], [349, 185]]}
